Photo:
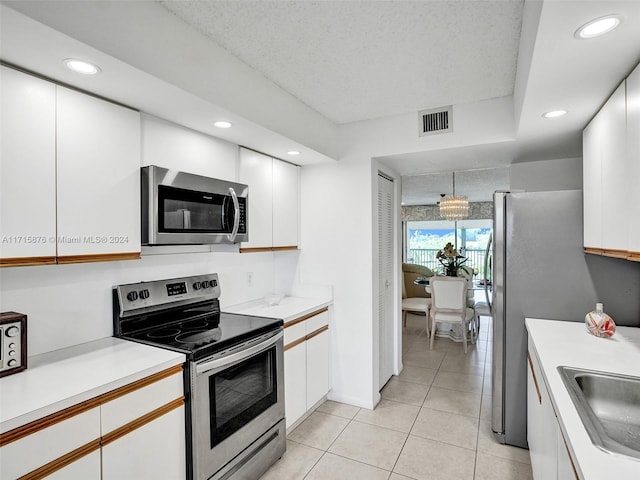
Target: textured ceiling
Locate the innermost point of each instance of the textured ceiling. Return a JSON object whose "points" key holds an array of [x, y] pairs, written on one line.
{"points": [[356, 60]]}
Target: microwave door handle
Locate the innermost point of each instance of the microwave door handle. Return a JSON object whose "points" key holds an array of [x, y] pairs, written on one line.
{"points": [[236, 216]]}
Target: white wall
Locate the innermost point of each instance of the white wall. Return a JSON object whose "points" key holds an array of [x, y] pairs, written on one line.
{"points": [[547, 175], [339, 209], [72, 304]]}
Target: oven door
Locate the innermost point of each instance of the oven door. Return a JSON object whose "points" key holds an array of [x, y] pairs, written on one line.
{"points": [[237, 395]]}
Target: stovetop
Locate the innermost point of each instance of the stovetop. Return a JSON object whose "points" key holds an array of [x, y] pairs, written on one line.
{"points": [[178, 315], [201, 338]]}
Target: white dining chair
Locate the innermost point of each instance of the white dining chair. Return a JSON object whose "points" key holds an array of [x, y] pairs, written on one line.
{"points": [[449, 305]]}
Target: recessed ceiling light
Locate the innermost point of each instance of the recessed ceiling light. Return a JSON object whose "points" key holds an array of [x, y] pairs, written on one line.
{"points": [[80, 66], [293, 152], [598, 26], [554, 113], [222, 124]]}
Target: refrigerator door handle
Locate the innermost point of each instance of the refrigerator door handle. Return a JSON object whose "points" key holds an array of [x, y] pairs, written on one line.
{"points": [[486, 269]]}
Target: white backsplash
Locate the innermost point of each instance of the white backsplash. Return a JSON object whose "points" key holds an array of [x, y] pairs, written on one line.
{"points": [[72, 304]]}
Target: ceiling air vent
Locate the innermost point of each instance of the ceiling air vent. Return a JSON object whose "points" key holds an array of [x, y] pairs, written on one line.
{"points": [[435, 120]]}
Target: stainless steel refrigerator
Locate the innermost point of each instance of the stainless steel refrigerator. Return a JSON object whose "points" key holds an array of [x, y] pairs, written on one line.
{"points": [[539, 270]]}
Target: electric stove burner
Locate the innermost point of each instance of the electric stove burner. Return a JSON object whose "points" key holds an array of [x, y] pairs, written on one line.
{"points": [[163, 333], [200, 336], [194, 325]]}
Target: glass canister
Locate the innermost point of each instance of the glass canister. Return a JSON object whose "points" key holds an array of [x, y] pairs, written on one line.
{"points": [[599, 323]]}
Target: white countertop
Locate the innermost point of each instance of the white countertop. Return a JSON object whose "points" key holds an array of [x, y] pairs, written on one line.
{"points": [[569, 344], [62, 378], [288, 309]]}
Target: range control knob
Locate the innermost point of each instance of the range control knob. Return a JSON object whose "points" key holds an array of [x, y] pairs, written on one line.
{"points": [[144, 294], [11, 363], [12, 345], [213, 283], [205, 284], [12, 353], [12, 331], [131, 296], [197, 286]]}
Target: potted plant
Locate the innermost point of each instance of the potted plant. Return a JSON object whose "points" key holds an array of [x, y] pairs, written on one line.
{"points": [[451, 260]]}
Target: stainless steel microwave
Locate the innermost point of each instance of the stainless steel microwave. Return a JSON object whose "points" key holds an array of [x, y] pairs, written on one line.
{"points": [[181, 208]]}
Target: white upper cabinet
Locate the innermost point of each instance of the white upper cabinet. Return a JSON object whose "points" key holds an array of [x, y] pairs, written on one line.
{"points": [[611, 176], [27, 170], [614, 173], [285, 204], [592, 185], [98, 177], [256, 170], [273, 201], [633, 155]]}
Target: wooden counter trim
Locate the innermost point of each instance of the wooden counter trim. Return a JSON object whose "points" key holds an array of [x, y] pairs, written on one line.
{"points": [[633, 256], [535, 380], [300, 340], [141, 421], [284, 248], [615, 253], [295, 343], [573, 467], [267, 249], [293, 322], [45, 422], [63, 461], [137, 385], [26, 261], [317, 332], [593, 251], [99, 257]]}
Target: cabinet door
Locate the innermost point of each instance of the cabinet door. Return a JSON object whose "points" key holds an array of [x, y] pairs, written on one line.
{"points": [[98, 156], [317, 366], [541, 424], [285, 204], [49, 444], [155, 450], [27, 173], [295, 382], [633, 159], [256, 170], [592, 184], [566, 470], [614, 174]]}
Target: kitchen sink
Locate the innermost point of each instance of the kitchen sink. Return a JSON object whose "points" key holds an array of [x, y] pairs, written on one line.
{"points": [[609, 406]]}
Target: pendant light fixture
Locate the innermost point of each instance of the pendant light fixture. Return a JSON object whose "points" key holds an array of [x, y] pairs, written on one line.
{"points": [[454, 208]]}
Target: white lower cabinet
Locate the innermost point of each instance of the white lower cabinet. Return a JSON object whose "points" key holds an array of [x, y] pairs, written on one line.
{"points": [[295, 383], [136, 431], [154, 451], [306, 364], [550, 458]]}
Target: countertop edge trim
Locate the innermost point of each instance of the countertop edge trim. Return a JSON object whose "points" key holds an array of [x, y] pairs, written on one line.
{"points": [[66, 413]]}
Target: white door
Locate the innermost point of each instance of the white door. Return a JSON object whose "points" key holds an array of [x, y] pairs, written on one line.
{"points": [[385, 277]]}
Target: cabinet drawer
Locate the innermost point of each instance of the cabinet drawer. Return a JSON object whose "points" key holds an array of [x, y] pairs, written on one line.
{"points": [[129, 407], [49, 443], [294, 332], [317, 321]]}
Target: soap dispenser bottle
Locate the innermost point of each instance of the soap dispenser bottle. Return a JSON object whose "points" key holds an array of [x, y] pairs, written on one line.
{"points": [[599, 323]]}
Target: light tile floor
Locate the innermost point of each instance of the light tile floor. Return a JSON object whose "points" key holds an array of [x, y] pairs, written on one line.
{"points": [[433, 423]]}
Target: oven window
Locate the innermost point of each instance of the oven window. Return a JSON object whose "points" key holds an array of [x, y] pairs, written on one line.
{"points": [[183, 210], [240, 393]]}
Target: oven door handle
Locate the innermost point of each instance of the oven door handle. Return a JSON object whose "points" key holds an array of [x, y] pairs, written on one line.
{"points": [[238, 356], [236, 215]]}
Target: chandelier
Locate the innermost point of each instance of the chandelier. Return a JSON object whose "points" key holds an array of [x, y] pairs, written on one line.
{"points": [[454, 207]]}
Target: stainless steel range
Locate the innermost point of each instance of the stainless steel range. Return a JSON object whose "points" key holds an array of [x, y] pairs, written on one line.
{"points": [[234, 375]]}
